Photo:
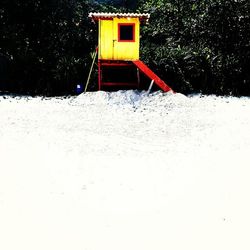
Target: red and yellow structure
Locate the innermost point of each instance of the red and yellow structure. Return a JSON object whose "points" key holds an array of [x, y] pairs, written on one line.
{"points": [[118, 49]]}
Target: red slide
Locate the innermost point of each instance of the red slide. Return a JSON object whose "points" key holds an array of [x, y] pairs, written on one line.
{"points": [[148, 72]]}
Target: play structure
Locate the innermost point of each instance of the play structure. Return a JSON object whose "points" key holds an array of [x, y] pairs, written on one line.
{"points": [[118, 52]]}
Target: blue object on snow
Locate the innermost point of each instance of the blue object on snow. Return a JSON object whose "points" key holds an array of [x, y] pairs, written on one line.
{"points": [[79, 88]]}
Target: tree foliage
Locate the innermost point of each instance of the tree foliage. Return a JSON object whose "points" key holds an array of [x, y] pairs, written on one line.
{"points": [[47, 43], [200, 46], [196, 46]]}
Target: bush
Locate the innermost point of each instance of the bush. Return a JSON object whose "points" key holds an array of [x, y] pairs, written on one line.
{"points": [[199, 46], [48, 44]]}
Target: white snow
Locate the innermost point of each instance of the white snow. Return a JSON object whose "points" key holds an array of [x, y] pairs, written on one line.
{"points": [[124, 171]]}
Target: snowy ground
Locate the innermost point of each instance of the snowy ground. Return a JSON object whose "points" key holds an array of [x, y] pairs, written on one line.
{"points": [[125, 171]]}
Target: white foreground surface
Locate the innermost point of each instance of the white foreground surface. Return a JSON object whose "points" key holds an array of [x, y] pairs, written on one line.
{"points": [[123, 171]]}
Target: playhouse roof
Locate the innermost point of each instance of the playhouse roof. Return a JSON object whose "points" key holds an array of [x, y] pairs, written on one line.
{"points": [[96, 16]]}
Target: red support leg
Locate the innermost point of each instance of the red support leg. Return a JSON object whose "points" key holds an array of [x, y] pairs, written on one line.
{"points": [[138, 78], [99, 75]]}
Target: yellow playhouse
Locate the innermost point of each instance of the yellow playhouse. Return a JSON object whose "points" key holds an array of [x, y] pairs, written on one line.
{"points": [[118, 48]]}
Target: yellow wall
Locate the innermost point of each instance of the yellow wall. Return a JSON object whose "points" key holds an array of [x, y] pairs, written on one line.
{"points": [[110, 48]]}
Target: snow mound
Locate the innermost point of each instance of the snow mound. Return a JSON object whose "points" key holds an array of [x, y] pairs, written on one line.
{"points": [[129, 99], [124, 170], [119, 98]]}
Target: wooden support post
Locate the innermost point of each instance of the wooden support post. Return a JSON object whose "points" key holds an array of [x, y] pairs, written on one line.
{"points": [[90, 71], [150, 86]]}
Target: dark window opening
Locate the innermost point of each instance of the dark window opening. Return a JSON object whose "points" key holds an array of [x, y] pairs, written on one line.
{"points": [[126, 32]]}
